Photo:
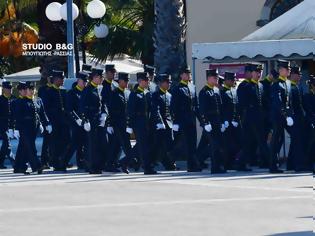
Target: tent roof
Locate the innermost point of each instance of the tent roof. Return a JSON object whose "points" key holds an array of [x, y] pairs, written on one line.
{"points": [[297, 23], [290, 36]]}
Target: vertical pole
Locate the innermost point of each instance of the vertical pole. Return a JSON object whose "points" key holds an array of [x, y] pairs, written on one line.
{"points": [[70, 40], [194, 70]]}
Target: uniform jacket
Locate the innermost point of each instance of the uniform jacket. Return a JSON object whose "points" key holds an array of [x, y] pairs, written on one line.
{"points": [[118, 107], [161, 112], [6, 118]]}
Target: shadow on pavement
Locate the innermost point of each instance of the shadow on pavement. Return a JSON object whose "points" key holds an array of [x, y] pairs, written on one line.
{"points": [[301, 233]]}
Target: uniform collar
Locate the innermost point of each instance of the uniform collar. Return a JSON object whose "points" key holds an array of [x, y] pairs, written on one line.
{"points": [[7, 97], [209, 86], [284, 79], [28, 97], [108, 81], [140, 89], [268, 79], [227, 87], [184, 82], [21, 97], [254, 81], [293, 83], [55, 87], [247, 80], [49, 85], [121, 89], [93, 84], [79, 88], [163, 91]]}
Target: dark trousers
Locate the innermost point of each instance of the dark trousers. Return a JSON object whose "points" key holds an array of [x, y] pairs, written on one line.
{"points": [[60, 140], [46, 149], [143, 145], [111, 150], [232, 145], [310, 147], [76, 146], [95, 152], [5, 150], [254, 133], [26, 152], [164, 143], [203, 149], [276, 141]]}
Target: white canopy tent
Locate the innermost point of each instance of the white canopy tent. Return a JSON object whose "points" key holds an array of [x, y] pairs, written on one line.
{"points": [[290, 36]]}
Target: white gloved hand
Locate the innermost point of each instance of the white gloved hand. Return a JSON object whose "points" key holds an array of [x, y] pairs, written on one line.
{"points": [[129, 130], [79, 122], [110, 130], [16, 134], [175, 127], [235, 124], [10, 133], [226, 124], [103, 117], [208, 128], [222, 128], [160, 126], [49, 129], [41, 128], [87, 126], [290, 121]]}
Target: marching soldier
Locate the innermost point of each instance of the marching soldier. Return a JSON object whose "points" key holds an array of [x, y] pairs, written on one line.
{"points": [[6, 122], [30, 118], [296, 157], [210, 106], [118, 114], [94, 114], [77, 131], [281, 112], [162, 121], [232, 122], [309, 106], [55, 108], [152, 83], [184, 112], [139, 109]]}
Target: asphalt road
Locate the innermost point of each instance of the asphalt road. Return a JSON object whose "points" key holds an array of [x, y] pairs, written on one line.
{"points": [[170, 204]]}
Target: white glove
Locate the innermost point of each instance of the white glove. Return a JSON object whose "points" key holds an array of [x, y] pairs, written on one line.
{"points": [[175, 127], [79, 122], [235, 124], [16, 134], [103, 117], [208, 128], [110, 130], [226, 124], [87, 126], [222, 128], [290, 121], [10, 133], [160, 126], [49, 129], [41, 128], [129, 130]]}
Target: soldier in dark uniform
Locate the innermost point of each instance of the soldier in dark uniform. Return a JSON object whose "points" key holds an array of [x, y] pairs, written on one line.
{"points": [[309, 107], [30, 118], [210, 105], [151, 72], [94, 114], [281, 112], [296, 157], [139, 109], [253, 127], [43, 91], [118, 116], [77, 131], [56, 111], [6, 122], [184, 110], [162, 122], [232, 123]]}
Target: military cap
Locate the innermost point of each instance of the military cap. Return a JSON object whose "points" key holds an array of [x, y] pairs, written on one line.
{"points": [[295, 70], [57, 74], [220, 80], [123, 76], [6, 84], [164, 78], [86, 68], [149, 69], [283, 64], [83, 76], [257, 67], [96, 71], [142, 76], [110, 68], [21, 85], [274, 73], [229, 76], [185, 69], [30, 85], [211, 72], [248, 67]]}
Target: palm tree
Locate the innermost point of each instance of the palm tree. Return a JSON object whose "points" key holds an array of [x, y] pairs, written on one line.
{"points": [[169, 36]]}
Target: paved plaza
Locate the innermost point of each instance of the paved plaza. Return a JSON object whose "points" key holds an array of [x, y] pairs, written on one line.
{"points": [[169, 204]]}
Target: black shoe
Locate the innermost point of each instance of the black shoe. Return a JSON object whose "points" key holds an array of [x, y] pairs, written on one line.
{"points": [[112, 170], [26, 173], [95, 172], [3, 167], [124, 167], [204, 165], [69, 165], [218, 171], [245, 169], [171, 167], [60, 169], [275, 171], [194, 170], [45, 167], [150, 172]]}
